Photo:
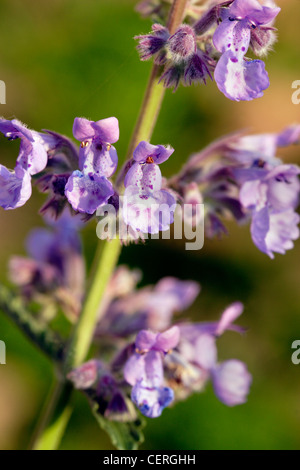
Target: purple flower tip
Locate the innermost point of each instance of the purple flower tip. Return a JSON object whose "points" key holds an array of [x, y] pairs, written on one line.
{"points": [[231, 381]]}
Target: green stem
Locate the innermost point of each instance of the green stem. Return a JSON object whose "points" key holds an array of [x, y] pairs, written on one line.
{"points": [[83, 333], [84, 330], [58, 408]]}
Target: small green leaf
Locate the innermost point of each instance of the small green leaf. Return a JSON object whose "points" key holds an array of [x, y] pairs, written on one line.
{"points": [[124, 436]]}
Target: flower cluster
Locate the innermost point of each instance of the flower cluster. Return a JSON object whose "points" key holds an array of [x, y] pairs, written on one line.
{"points": [[148, 208], [218, 41], [246, 180], [164, 363], [82, 177]]}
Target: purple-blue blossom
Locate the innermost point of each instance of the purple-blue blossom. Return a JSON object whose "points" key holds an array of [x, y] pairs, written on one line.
{"points": [[147, 207], [89, 187], [15, 185], [239, 78], [144, 371], [197, 348], [272, 197]]}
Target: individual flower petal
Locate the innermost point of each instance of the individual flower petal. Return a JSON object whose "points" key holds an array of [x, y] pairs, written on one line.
{"points": [[107, 130], [86, 193], [167, 340], [253, 11], [154, 368], [205, 351], [224, 36], [15, 188], [98, 157], [290, 135], [151, 400], [183, 292], [283, 230], [145, 177], [229, 316], [145, 340], [148, 153], [148, 212], [134, 369], [231, 381], [274, 232], [241, 80], [33, 155]]}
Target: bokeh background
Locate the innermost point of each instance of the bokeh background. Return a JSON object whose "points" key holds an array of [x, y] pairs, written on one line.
{"points": [[68, 58]]}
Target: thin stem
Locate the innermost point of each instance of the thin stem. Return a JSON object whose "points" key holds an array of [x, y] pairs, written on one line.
{"points": [[58, 403], [84, 330], [83, 333], [154, 94]]}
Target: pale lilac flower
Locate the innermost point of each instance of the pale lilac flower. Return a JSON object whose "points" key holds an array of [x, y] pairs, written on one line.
{"points": [[147, 207], [86, 192], [144, 371], [275, 232], [33, 145], [272, 197], [96, 153], [15, 187], [277, 189], [237, 78], [260, 150], [197, 348], [89, 188]]}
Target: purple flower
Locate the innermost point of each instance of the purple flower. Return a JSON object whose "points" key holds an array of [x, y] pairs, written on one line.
{"points": [[15, 187], [151, 400], [86, 192], [274, 232], [272, 197], [237, 78], [197, 350], [148, 208], [96, 153], [33, 147], [89, 188], [260, 150], [144, 371], [231, 381], [277, 189]]}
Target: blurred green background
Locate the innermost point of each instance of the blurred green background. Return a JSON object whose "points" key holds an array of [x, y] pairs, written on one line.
{"points": [[68, 58]]}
